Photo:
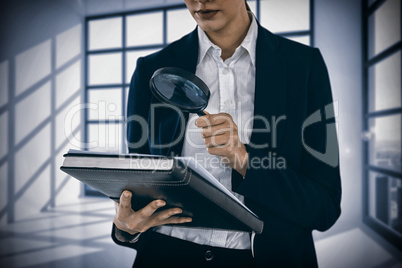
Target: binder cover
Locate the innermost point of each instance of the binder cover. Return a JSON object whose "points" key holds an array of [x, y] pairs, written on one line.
{"points": [[178, 181]]}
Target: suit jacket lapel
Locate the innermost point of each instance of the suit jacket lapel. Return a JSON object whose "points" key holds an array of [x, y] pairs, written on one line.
{"points": [[270, 91], [186, 53], [184, 56]]}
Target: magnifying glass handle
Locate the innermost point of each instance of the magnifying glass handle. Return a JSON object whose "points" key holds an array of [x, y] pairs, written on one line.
{"points": [[201, 113]]}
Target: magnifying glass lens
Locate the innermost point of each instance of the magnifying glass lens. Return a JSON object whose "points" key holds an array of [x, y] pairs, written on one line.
{"points": [[180, 88], [180, 91]]}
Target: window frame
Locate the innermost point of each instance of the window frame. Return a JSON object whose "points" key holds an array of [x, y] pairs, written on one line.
{"points": [[367, 62]]}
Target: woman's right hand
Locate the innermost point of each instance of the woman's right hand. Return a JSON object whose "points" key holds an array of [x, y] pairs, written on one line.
{"points": [[132, 222]]}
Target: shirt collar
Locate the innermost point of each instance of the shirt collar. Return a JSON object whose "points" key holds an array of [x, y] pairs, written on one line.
{"points": [[249, 43], [204, 44]]}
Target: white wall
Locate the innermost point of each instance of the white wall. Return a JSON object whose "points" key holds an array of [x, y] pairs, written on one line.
{"points": [[338, 36], [349, 243], [41, 79]]}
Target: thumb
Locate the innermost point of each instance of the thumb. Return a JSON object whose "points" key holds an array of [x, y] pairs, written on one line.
{"points": [[125, 203]]}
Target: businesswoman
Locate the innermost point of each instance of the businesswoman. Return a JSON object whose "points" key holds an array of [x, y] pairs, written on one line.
{"points": [[264, 91]]}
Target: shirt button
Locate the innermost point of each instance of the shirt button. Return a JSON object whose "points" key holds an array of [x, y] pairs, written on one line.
{"points": [[209, 255], [225, 71]]}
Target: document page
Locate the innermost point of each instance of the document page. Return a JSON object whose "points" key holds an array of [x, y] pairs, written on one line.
{"points": [[191, 163]]}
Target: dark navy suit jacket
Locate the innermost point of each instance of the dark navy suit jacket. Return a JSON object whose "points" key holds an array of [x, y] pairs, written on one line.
{"points": [[291, 80]]}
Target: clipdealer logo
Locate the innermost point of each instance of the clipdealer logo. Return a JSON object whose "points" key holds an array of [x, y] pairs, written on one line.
{"points": [[331, 154]]}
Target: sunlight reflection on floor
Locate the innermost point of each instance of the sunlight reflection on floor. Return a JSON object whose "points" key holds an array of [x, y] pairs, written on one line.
{"points": [[75, 235]]}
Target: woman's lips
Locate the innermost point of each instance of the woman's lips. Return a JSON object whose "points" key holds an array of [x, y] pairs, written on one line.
{"points": [[206, 14]]}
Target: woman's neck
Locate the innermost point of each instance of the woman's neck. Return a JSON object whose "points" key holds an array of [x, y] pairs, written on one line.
{"points": [[229, 38]]}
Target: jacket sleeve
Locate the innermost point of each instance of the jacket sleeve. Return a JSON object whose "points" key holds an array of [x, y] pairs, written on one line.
{"points": [[309, 196], [132, 241]]}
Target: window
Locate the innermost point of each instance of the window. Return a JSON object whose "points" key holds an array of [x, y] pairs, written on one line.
{"points": [[114, 43], [382, 118]]}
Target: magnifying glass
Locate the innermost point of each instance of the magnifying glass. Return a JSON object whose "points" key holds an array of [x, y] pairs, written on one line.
{"points": [[180, 88]]}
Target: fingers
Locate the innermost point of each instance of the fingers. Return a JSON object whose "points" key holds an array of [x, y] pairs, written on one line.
{"points": [[221, 150], [133, 222], [216, 130], [149, 209], [168, 217], [125, 203], [213, 119], [217, 124], [220, 140], [163, 215], [177, 220], [220, 134]]}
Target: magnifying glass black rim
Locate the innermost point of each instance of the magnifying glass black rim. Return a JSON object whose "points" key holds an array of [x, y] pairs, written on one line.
{"points": [[186, 75]]}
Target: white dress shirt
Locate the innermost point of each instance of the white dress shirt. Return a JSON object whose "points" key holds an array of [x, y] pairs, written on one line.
{"points": [[232, 86]]}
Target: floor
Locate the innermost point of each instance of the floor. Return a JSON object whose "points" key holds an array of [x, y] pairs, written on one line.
{"points": [[78, 235], [354, 249]]}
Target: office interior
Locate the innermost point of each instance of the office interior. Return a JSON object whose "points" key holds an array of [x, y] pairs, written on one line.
{"points": [[65, 68]]}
